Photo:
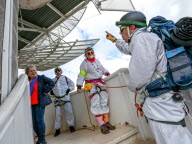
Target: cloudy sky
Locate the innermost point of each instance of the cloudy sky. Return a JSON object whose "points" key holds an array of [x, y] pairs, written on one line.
{"points": [[94, 24]]}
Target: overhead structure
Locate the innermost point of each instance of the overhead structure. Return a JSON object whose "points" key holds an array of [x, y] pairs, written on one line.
{"points": [[114, 5], [48, 37], [51, 56], [42, 27], [32, 4], [34, 25], [38, 18]]}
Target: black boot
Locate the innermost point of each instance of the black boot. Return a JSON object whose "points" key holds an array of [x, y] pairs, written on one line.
{"points": [[57, 132], [110, 126], [104, 129], [72, 129]]}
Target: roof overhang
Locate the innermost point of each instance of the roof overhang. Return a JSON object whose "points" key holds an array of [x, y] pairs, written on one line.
{"points": [[32, 4], [34, 25], [50, 56]]}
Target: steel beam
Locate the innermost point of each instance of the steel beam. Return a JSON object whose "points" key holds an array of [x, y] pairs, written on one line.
{"points": [[40, 29], [27, 29], [24, 40], [56, 10]]}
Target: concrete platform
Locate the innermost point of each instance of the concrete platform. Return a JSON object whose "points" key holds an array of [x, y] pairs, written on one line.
{"points": [[122, 133]]}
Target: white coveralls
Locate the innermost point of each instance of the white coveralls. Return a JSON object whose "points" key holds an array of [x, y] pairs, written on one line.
{"points": [[61, 85], [94, 70], [147, 57], [188, 100]]}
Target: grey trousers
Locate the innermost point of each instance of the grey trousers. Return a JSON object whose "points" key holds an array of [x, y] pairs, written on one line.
{"points": [[67, 107]]}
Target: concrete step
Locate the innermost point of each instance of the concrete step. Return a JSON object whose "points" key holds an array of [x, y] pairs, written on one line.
{"points": [[122, 134], [140, 141]]}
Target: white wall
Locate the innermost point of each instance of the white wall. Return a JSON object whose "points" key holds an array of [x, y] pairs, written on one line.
{"points": [[121, 103], [9, 73], [15, 115]]}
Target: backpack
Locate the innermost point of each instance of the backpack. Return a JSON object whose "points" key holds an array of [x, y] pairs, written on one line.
{"points": [[179, 55]]}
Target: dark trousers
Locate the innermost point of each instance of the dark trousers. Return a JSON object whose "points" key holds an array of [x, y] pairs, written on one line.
{"points": [[38, 122]]}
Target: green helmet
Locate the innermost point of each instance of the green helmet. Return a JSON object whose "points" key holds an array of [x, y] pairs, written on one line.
{"points": [[135, 17]]}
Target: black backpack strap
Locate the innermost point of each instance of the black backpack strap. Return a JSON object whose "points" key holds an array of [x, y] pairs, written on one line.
{"points": [[181, 122], [66, 80], [57, 80]]}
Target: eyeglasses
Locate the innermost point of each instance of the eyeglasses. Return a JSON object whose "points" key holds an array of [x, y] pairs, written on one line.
{"points": [[90, 53], [57, 71], [121, 28]]}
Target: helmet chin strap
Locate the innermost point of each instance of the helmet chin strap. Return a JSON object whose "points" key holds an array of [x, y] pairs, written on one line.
{"points": [[129, 34]]}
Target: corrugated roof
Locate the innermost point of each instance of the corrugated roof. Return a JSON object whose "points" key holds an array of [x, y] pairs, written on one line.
{"points": [[65, 5], [42, 31], [43, 19]]}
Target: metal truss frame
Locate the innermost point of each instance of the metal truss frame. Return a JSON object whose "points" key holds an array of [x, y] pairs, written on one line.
{"points": [[50, 56], [59, 29]]}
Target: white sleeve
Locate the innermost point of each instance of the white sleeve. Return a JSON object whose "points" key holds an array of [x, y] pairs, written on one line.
{"points": [[71, 84], [123, 46], [81, 76], [143, 62], [104, 70]]}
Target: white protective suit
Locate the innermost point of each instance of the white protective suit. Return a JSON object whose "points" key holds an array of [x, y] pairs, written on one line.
{"points": [[61, 85], [147, 59], [94, 70]]}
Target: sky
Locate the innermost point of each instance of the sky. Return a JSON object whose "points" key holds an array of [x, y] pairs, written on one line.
{"points": [[94, 24]]}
